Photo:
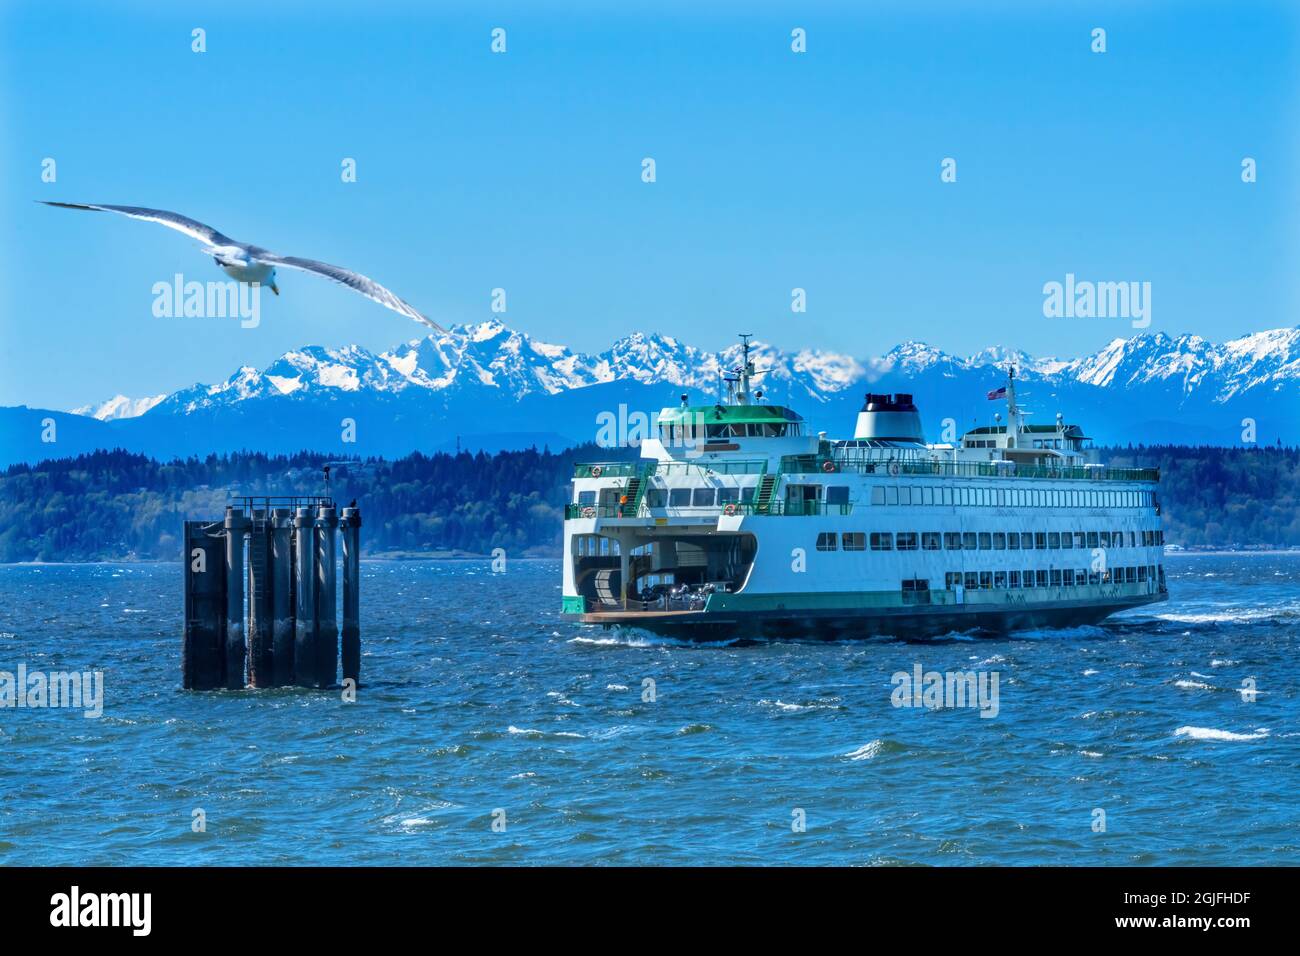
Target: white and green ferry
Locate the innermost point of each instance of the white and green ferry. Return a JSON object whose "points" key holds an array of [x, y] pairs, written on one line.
{"points": [[738, 523]]}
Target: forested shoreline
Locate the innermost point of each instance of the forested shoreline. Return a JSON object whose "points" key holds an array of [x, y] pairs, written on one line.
{"points": [[115, 505]]}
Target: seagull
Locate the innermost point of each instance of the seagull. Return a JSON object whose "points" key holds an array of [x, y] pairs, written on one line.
{"points": [[253, 264]]}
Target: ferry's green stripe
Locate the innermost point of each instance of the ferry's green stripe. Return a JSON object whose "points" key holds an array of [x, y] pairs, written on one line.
{"points": [[999, 598]]}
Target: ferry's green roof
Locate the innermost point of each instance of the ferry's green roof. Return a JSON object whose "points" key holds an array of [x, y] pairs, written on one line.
{"points": [[728, 414], [1071, 430]]}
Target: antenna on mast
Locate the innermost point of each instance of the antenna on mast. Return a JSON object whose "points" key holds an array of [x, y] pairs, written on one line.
{"points": [[746, 372]]}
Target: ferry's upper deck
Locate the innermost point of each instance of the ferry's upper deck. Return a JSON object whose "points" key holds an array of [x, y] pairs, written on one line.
{"points": [[743, 436]]}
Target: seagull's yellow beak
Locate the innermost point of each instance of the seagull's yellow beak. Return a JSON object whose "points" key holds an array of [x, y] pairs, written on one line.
{"points": [[275, 289]]}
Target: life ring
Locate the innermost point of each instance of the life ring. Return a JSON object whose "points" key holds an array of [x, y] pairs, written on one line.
{"points": [[589, 512], [893, 469], [828, 466], [596, 471], [729, 510]]}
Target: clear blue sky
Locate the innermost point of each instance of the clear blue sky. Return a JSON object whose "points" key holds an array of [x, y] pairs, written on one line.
{"points": [[522, 171]]}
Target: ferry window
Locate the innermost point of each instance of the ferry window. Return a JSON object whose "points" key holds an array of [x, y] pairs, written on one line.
{"points": [[1132, 575], [1013, 541], [1160, 537], [656, 497], [1013, 579], [837, 494], [929, 541], [703, 497], [1002, 497], [1029, 578], [952, 540], [853, 541], [916, 584], [877, 495], [999, 579], [968, 541], [952, 579], [1067, 540], [679, 498], [1094, 577], [929, 495], [1041, 577], [891, 495], [906, 541], [986, 579], [947, 496], [1027, 540], [728, 496], [1040, 540], [1132, 539], [826, 541], [586, 498], [1092, 540], [972, 581], [880, 541], [1056, 577], [1053, 540], [1078, 539], [1105, 539], [1080, 578], [999, 541], [986, 541], [747, 493]]}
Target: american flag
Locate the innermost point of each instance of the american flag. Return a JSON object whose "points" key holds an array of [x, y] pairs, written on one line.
{"points": [[997, 393]]}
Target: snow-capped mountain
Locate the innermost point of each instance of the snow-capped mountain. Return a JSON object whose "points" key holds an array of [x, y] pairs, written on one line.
{"points": [[119, 406], [492, 356], [490, 386]]}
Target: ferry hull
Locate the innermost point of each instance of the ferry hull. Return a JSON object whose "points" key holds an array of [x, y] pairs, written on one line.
{"points": [[839, 624]]}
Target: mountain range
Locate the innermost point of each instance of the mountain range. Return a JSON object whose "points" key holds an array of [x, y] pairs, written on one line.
{"points": [[490, 387]]}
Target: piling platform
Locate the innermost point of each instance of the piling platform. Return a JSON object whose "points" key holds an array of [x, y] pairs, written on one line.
{"points": [[261, 599]]}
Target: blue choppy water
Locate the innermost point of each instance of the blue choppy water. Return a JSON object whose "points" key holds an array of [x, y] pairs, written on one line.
{"points": [[478, 699]]}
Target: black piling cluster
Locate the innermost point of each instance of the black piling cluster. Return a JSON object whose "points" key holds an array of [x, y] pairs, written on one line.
{"points": [[261, 598]]}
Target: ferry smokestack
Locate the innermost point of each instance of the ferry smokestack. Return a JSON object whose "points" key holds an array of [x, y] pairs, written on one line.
{"points": [[889, 418]]}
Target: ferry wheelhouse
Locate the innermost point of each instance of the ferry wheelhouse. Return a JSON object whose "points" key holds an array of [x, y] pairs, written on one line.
{"points": [[739, 522]]}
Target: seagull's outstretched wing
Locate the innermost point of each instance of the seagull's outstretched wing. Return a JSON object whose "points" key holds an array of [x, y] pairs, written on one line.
{"points": [[172, 220], [353, 280]]}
